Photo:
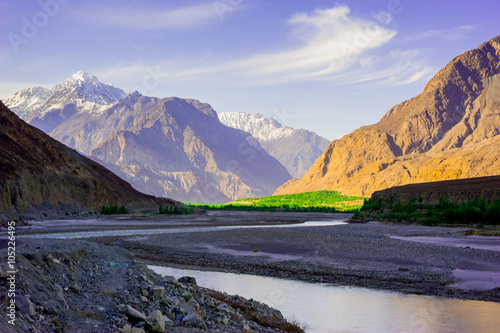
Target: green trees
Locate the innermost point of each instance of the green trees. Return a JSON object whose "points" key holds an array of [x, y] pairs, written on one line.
{"points": [[473, 211], [175, 210], [320, 201], [107, 210]]}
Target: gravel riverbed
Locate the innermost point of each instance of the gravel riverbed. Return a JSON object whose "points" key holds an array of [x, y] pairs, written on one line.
{"points": [[352, 254]]}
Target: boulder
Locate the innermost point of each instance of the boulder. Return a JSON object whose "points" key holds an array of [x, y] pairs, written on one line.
{"points": [[132, 314], [158, 292], [170, 279], [193, 320], [192, 303], [155, 322]]}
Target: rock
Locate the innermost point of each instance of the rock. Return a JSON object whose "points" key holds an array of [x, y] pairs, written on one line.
{"points": [[137, 330], [127, 328], [75, 288], [4, 269], [170, 279], [193, 320], [169, 321], [224, 308], [187, 295], [155, 322], [144, 299], [158, 292], [132, 314], [24, 304], [51, 311], [192, 303], [170, 316], [187, 280]]}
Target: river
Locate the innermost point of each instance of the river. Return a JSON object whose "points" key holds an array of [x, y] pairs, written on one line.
{"points": [[324, 308]]}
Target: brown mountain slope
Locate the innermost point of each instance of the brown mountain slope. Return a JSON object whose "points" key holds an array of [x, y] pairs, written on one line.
{"points": [[449, 131], [38, 173], [174, 147]]}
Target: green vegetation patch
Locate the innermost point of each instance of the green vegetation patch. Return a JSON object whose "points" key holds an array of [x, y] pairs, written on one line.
{"points": [[175, 210], [113, 210], [477, 211], [320, 201]]}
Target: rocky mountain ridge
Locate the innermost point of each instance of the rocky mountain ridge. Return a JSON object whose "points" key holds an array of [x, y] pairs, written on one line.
{"points": [[296, 149], [449, 131]]}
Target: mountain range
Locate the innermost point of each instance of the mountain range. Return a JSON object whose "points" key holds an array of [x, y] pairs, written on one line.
{"points": [[450, 131], [38, 173], [170, 147], [296, 149]]}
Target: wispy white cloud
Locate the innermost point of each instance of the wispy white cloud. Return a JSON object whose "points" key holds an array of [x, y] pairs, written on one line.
{"points": [[158, 16], [332, 46], [457, 33], [331, 41]]}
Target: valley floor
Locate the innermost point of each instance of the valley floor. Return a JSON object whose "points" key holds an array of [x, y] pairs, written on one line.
{"points": [[407, 258]]}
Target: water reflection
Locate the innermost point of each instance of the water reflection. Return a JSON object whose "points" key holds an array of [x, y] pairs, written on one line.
{"points": [[333, 309]]}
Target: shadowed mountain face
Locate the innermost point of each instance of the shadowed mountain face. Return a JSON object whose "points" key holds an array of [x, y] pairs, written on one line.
{"points": [[296, 149], [174, 147], [450, 131], [39, 173]]}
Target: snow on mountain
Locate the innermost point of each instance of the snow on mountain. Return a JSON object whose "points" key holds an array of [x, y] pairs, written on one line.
{"points": [[83, 89], [296, 149], [261, 128], [27, 101], [88, 88], [86, 91]]}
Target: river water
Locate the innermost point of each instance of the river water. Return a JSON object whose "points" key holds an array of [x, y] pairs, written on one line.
{"points": [[324, 308], [132, 232]]}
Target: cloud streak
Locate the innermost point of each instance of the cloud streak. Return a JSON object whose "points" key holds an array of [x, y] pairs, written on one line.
{"points": [[453, 34], [154, 16]]}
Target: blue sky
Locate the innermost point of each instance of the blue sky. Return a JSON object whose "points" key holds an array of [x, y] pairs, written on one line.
{"points": [[327, 66]]}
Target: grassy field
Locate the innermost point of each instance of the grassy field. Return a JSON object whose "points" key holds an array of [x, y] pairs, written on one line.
{"points": [[320, 201]]}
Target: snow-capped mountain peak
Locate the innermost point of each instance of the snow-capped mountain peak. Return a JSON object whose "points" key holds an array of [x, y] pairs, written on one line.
{"points": [[82, 89], [27, 101], [85, 86], [260, 127]]}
